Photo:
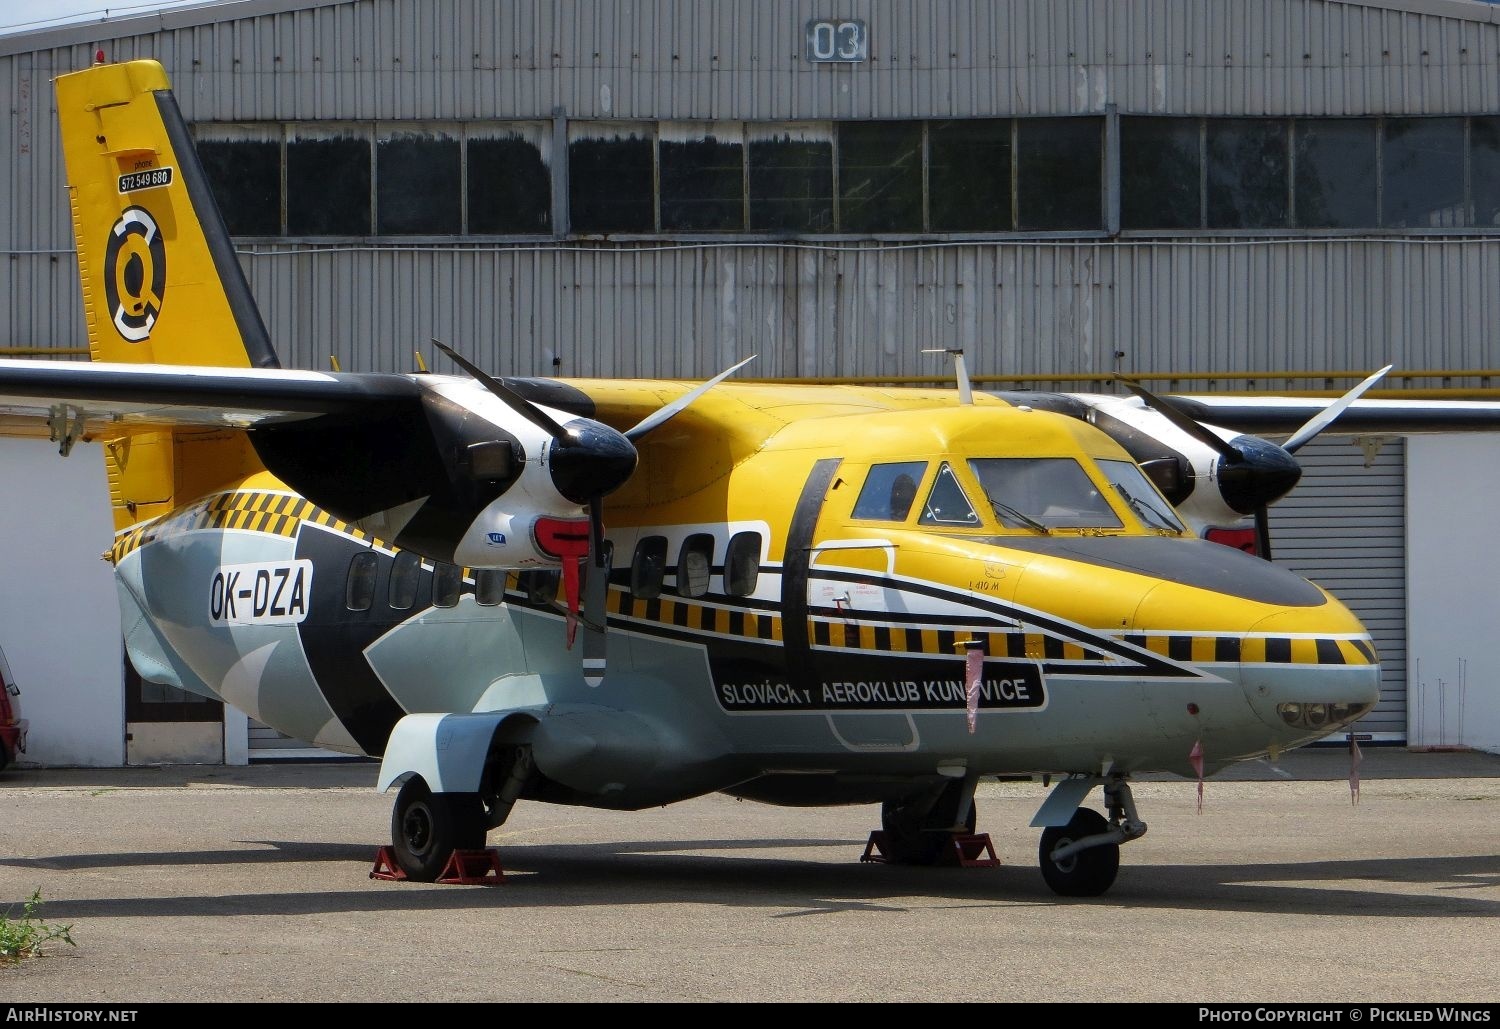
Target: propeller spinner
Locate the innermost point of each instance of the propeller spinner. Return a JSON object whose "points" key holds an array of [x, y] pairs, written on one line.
{"points": [[1254, 473]]}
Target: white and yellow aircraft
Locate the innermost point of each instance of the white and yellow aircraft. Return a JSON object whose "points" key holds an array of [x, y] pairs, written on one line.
{"points": [[803, 595]]}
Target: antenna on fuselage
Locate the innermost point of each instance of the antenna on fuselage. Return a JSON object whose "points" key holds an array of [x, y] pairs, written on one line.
{"points": [[965, 390]]}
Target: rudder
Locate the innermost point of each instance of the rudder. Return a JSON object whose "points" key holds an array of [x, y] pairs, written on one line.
{"points": [[160, 280]]}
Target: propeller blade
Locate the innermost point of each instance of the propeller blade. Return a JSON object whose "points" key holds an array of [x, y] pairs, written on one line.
{"points": [[1263, 532], [508, 396], [662, 414], [595, 599], [1181, 420], [1320, 421]]}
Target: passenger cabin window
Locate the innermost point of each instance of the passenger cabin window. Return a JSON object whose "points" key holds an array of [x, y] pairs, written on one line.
{"points": [[648, 567], [694, 565], [489, 587], [359, 592], [742, 564], [1141, 495], [946, 503], [541, 586], [447, 584], [406, 576], [889, 491], [1043, 493]]}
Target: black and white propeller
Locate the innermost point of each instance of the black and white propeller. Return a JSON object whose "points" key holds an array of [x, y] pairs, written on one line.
{"points": [[587, 460], [1254, 473]]}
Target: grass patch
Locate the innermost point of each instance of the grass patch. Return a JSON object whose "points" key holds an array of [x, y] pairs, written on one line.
{"points": [[25, 937]]}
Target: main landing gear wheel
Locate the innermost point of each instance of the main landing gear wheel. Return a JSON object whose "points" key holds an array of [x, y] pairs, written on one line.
{"points": [[907, 843], [427, 827], [1087, 873]]}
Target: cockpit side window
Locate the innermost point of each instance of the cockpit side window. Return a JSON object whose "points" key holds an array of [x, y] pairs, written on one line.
{"points": [[1137, 490], [946, 503], [889, 491]]}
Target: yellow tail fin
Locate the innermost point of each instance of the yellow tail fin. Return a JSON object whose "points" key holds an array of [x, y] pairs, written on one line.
{"points": [[161, 283]]}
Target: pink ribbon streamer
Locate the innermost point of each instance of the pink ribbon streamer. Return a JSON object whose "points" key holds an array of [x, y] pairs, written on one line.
{"points": [[1195, 758], [974, 677]]}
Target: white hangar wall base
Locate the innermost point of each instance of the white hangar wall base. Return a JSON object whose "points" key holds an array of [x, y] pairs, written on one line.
{"points": [[59, 620], [1451, 495]]}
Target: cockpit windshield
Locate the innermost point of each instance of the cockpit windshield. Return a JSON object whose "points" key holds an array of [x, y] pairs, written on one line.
{"points": [[1137, 491], [1044, 493]]}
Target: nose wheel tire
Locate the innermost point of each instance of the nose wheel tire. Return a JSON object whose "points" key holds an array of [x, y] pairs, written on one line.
{"points": [[427, 827], [1089, 872]]}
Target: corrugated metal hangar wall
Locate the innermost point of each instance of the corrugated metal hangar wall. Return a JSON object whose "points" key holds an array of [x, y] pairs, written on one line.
{"points": [[1134, 285]]}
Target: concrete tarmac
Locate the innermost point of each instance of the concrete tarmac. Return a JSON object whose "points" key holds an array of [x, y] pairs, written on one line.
{"points": [[251, 884]]}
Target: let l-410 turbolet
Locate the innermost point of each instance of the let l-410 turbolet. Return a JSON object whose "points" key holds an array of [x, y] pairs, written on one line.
{"points": [[627, 593]]}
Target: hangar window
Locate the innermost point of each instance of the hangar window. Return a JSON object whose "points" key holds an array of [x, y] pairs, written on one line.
{"points": [[1422, 173], [791, 178], [1334, 183], [880, 176], [406, 576], [359, 591], [1161, 173], [328, 183], [509, 183], [1247, 173], [1484, 174], [611, 179], [889, 490], [742, 564], [695, 565], [244, 174], [648, 567], [489, 586], [969, 175], [447, 584], [418, 183], [1059, 173], [702, 177]]}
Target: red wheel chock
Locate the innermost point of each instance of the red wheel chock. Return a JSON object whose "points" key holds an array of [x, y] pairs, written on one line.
{"points": [[964, 850], [464, 868]]}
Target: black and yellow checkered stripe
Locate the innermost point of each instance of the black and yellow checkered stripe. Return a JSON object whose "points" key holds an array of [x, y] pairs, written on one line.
{"points": [[670, 611], [1256, 649], [250, 510]]}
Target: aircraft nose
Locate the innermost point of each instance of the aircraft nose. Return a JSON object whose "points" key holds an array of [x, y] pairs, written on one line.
{"points": [[1307, 672]]}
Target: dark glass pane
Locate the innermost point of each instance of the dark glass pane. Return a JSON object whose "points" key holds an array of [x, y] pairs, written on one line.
{"points": [[695, 564], [406, 576], [880, 176], [1484, 170], [359, 590], [649, 567], [510, 188], [1335, 178], [610, 185], [1422, 180], [791, 185], [447, 584], [702, 185], [328, 187], [489, 586], [1247, 173], [968, 176], [1059, 173], [742, 564], [1161, 174], [245, 176], [418, 188]]}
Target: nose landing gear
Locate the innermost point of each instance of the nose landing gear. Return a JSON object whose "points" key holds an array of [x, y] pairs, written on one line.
{"points": [[1082, 857]]}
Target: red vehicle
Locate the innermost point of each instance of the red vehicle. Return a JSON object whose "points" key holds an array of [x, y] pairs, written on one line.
{"points": [[12, 725]]}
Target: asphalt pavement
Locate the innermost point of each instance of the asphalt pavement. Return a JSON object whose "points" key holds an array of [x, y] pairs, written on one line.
{"points": [[252, 884]]}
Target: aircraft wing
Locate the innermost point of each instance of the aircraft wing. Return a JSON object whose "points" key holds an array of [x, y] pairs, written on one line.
{"points": [[32, 392], [1287, 414]]}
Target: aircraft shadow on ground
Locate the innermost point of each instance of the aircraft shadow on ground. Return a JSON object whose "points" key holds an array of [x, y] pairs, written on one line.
{"points": [[561, 875]]}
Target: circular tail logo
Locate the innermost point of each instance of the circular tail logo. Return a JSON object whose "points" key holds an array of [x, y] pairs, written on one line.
{"points": [[135, 273]]}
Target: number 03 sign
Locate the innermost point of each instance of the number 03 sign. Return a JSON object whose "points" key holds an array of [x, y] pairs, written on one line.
{"points": [[829, 40]]}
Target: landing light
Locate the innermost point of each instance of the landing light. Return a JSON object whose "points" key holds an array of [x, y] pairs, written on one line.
{"points": [[1320, 716]]}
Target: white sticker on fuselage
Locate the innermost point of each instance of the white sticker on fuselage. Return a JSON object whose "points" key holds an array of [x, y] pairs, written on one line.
{"points": [[263, 593]]}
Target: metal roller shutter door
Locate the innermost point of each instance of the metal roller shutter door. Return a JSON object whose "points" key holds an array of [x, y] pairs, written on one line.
{"points": [[1344, 527]]}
